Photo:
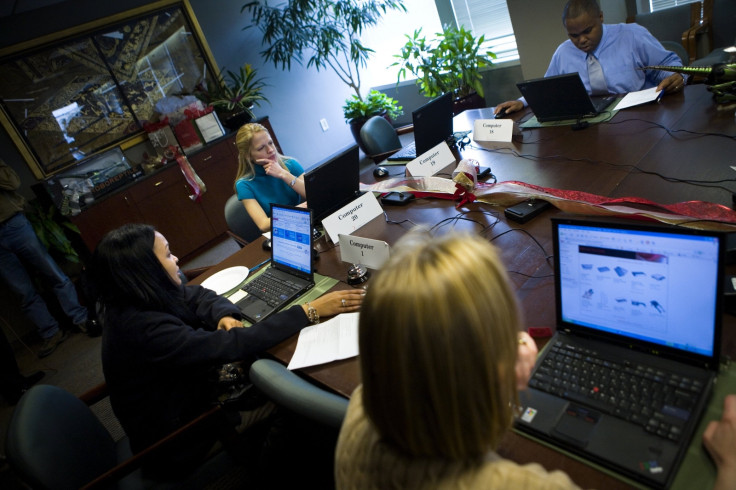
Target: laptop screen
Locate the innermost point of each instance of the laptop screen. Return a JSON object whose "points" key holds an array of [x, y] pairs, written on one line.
{"points": [[291, 237], [646, 282], [432, 123], [333, 183]]}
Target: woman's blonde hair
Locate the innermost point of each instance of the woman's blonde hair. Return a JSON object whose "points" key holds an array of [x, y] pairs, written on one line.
{"points": [[243, 141], [438, 347]]}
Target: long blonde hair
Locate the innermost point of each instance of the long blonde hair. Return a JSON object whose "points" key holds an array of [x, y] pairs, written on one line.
{"points": [[243, 141], [438, 346]]}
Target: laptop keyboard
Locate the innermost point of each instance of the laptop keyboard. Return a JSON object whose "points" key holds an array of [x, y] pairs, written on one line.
{"points": [[658, 401], [409, 152], [271, 289], [602, 103]]}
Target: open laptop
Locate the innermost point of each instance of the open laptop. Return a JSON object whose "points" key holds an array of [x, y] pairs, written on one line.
{"points": [[638, 304], [562, 97], [432, 126], [291, 272], [333, 183]]}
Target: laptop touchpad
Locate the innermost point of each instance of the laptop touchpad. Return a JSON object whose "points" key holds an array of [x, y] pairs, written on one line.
{"points": [[577, 424]]}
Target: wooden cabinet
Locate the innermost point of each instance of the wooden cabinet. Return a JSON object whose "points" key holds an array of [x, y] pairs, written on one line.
{"points": [[106, 215], [162, 200]]}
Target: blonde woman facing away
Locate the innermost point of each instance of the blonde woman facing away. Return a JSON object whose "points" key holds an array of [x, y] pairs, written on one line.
{"points": [[265, 176], [442, 359]]}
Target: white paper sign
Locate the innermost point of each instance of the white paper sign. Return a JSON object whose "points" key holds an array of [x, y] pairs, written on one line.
{"points": [[432, 161], [366, 251], [493, 130], [349, 218]]}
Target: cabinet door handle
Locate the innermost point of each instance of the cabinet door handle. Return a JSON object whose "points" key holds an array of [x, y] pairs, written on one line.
{"points": [[158, 183], [126, 200], [208, 157]]}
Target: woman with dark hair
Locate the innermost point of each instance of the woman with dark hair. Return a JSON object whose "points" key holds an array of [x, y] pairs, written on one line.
{"points": [[161, 339]]}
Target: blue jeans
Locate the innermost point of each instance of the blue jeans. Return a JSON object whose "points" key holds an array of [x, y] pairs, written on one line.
{"points": [[19, 241]]}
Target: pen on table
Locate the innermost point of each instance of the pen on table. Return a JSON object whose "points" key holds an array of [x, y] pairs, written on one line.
{"points": [[258, 266]]}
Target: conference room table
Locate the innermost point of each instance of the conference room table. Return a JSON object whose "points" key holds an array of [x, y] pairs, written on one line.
{"points": [[637, 153]]}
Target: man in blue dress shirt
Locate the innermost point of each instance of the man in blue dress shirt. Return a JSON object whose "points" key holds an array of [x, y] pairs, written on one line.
{"points": [[616, 50]]}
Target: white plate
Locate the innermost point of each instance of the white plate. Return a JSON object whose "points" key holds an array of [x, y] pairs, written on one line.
{"points": [[226, 280]]}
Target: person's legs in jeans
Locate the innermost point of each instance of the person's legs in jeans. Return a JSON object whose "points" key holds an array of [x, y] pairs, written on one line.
{"points": [[19, 240]]}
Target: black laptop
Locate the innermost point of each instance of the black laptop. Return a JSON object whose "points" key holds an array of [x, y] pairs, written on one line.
{"points": [[291, 272], [562, 97], [333, 183], [432, 126], [628, 374]]}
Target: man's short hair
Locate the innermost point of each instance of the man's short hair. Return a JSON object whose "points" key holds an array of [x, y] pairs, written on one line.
{"points": [[576, 8]]}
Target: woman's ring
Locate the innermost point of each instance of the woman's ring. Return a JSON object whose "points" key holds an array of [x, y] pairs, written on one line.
{"points": [[344, 303]]}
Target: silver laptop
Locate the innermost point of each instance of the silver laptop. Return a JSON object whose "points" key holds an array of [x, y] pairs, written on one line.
{"points": [[562, 97], [291, 272], [628, 374]]}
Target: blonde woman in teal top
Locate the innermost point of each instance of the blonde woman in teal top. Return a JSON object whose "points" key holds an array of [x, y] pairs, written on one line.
{"points": [[265, 176]]}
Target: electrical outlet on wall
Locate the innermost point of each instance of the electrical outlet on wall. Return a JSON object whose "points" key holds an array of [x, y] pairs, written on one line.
{"points": [[323, 123]]}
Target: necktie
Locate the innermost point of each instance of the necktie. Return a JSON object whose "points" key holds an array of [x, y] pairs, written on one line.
{"points": [[595, 74]]}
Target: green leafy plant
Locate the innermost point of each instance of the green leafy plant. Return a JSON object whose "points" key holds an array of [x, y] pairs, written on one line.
{"points": [[235, 92], [449, 63], [374, 104], [52, 232], [328, 30]]}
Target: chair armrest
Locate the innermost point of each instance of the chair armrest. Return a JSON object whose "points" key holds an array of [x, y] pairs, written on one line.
{"points": [[192, 273], [94, 395], [134, 462], [241, 241], [298, 395]]}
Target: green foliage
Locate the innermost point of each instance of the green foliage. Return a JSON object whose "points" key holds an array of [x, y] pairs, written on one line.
{"points": [[374, 104], [235, 91], [51, 232], [328, 31], [449, 63]]}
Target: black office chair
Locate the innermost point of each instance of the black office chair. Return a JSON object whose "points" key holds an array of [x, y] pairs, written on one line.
{"points": [[55, 441], [380, 139], [288, 390], [242, 227]]}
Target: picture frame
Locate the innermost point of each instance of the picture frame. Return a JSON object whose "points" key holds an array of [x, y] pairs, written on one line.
{"points": [[64, 99]]}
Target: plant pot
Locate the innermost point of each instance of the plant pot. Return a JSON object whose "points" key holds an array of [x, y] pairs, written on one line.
{"points": [[233, 122], [470, 101]]}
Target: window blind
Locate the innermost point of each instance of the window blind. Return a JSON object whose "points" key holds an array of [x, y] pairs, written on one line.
{"points": [[491, 19]]}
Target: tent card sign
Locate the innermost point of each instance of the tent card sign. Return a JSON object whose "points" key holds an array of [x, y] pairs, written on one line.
{"points": [[358, 250], [352, 216], [493, 132], [432, 161]]}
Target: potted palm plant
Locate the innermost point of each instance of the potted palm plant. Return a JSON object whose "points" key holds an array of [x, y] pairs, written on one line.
{"points": [[358, 110], [328, 33], [234, 96], [449, 63]]}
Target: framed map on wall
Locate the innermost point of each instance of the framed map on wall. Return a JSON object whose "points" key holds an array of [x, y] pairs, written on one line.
{"points": [[70, 98]]}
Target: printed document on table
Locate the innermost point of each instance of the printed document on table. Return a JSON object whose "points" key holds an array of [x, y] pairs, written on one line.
{"points": [[637, 98], [325, 342]]}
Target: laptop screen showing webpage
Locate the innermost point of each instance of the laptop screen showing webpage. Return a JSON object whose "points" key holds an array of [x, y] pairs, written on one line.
{"points": [[652, 286], [291, 237]]}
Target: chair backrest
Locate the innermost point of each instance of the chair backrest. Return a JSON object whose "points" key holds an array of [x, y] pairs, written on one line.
{"points": [[288, 390], [379, 136], [55, 441], [723, 23], [678, 49], [239, 221], [669, 24]]}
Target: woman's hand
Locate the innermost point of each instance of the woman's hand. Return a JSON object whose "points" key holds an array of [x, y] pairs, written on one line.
{"points": [[719, 439], [228, 322], [337, 302], [525, 360], [275, 170]]}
